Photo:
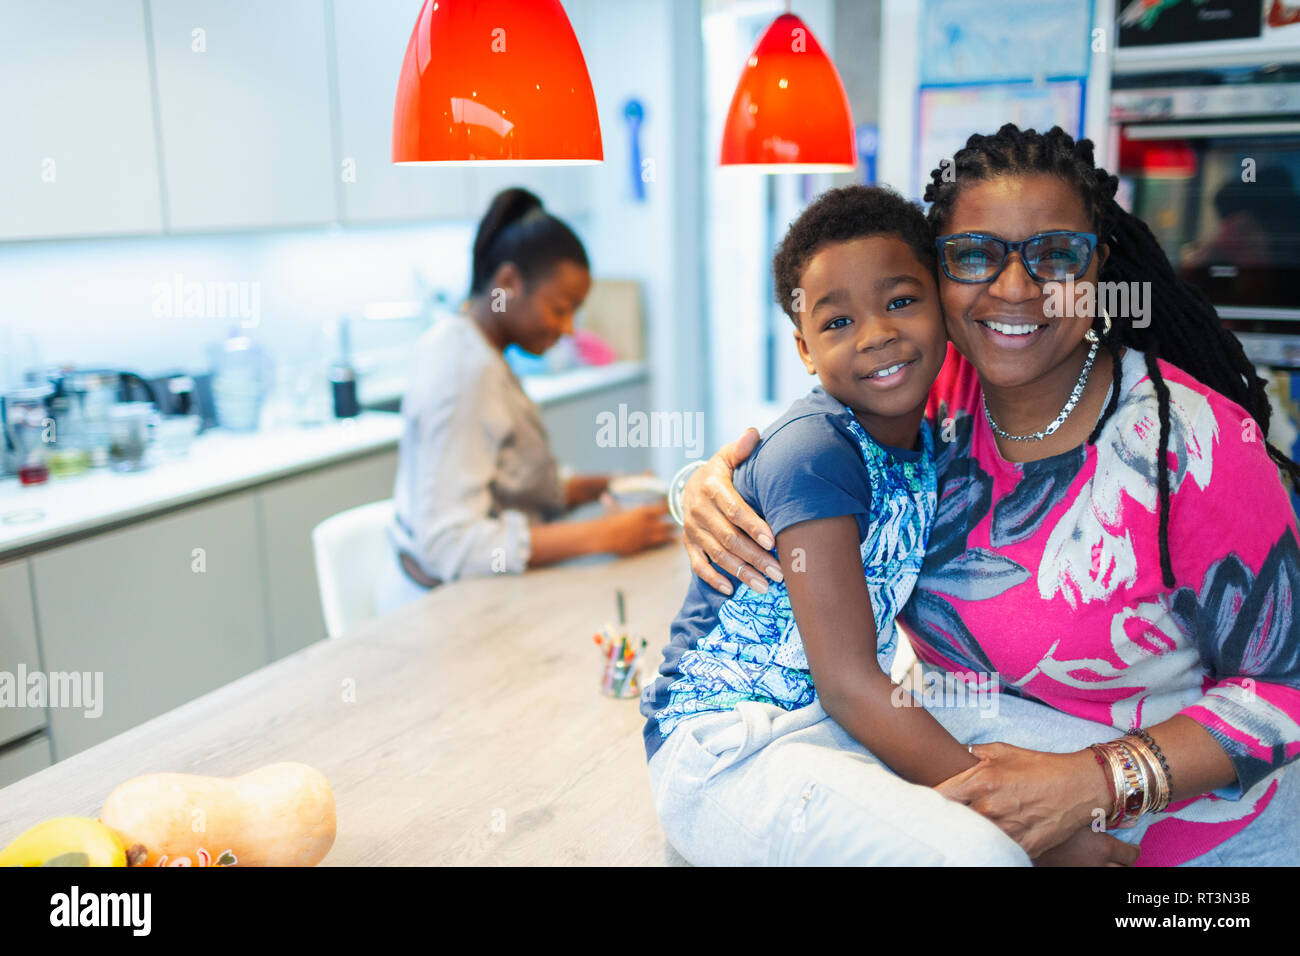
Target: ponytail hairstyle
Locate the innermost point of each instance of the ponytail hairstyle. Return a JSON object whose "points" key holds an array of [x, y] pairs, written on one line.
{"points": [[1184, 328], [516, 228]]}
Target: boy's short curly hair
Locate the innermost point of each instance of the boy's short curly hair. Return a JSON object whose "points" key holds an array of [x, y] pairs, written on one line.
{"points": [[838, 215]]}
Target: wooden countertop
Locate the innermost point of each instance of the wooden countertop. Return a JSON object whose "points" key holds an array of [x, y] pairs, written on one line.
{"points": [[477, 735]]}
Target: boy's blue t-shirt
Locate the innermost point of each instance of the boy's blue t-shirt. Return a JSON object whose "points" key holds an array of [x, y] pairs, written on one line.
{"points": [[815, 461]]}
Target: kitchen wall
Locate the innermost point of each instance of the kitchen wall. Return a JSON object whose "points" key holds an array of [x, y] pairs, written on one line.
{"points": [[652, 50], [109, 302]]}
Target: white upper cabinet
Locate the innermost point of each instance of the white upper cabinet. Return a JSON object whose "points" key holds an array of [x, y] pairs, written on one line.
{"points": [[370, 38], [77, 149], [243, 98], [262, 115]]}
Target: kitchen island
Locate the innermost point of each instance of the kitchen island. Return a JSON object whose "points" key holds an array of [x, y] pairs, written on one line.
{"points": [[170, 582], [465, 729]]}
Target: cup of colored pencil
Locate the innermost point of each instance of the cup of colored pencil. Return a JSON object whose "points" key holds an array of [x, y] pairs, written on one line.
{"points": [[621, 657]]}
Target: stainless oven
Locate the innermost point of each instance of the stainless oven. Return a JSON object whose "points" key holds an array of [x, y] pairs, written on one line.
{"points": [[1211, 161]]}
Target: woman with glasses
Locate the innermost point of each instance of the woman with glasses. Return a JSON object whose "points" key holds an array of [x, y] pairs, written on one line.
{"points": [[1114, 542]]}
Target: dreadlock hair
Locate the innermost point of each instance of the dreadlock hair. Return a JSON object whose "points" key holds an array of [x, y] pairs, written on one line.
{"points": [[1184, 328]]}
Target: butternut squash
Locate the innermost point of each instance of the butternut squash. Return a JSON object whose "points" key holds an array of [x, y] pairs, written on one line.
{"points": [[278, 815]]}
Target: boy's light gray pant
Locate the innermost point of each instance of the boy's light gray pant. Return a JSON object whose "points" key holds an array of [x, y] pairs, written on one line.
{"points": [[761, 785], [765, 786]]}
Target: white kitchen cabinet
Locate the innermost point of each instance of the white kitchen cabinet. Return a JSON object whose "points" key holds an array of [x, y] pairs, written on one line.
{"points": [[18, 649], [572, 424], [288, 511], [79, 157], [370, 38], [24, 759], [243, 95], [165, 610]]}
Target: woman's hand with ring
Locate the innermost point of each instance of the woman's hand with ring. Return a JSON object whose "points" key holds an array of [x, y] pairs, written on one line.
{"points": [[721, 528]]}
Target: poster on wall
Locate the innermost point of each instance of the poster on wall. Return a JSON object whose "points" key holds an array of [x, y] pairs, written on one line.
{"points": [[967, 41], [949, 114], [1027, 65], [1161, 22]]}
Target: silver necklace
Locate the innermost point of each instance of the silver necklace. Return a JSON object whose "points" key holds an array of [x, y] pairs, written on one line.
{"points": [[1060, 419]]}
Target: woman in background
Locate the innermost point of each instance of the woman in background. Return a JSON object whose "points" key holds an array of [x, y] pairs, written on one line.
{"points": [[478, 489]]}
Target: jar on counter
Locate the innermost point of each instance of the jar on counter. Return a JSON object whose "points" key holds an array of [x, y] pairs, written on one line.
{"points": [[240, 382], [130, 427], [29, 429], [68, 453]]}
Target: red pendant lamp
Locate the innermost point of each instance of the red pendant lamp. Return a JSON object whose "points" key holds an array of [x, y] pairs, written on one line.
{"points": [[789, 113], [495, 82]]}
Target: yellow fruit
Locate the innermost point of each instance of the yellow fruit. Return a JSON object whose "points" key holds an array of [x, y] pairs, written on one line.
{"points": [[66, 841]]}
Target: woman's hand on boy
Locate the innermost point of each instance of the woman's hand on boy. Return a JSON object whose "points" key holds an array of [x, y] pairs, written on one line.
{"points": [[1038, 799], [721, 528]]}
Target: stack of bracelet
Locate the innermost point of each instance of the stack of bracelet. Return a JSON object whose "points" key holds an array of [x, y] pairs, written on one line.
{"points": [[1137, 776]]}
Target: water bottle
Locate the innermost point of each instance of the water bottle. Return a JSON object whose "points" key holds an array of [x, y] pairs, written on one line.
{"points": [[239, 382]]}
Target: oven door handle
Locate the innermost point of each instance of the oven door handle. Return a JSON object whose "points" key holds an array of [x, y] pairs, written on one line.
{"points": [[1206, 130]]}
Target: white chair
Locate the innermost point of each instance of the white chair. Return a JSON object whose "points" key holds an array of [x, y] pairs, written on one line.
{"points": [[351, 548]]}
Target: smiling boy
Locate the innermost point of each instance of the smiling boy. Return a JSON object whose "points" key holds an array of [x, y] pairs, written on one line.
{"points": [[770, 690]]}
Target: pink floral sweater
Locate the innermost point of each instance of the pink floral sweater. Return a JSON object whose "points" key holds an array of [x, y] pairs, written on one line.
{"points": [[1047, 574]]}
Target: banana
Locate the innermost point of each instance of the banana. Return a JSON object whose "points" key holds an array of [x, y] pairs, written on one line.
{"points": [[66, 841]]}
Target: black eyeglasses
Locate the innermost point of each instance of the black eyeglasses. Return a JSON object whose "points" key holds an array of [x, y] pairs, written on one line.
{"points": [[1048, 256]]}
